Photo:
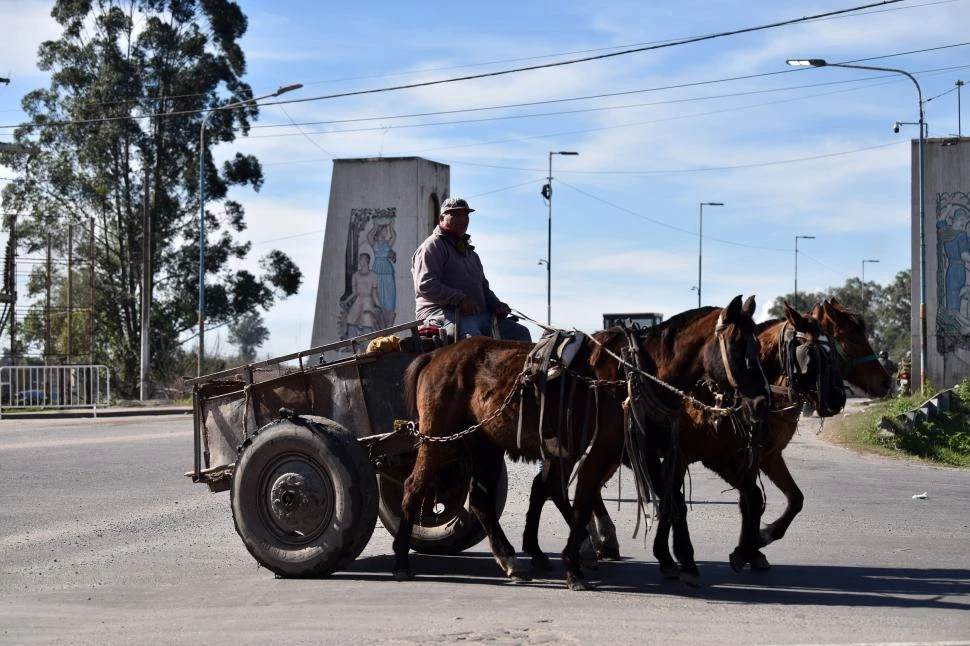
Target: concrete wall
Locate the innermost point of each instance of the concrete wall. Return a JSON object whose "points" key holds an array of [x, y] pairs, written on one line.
{"points": [[946, 233], [380, 210]]}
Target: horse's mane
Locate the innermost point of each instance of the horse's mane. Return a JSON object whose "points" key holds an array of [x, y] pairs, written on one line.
{"points": [[666, 330], [764, 325]]}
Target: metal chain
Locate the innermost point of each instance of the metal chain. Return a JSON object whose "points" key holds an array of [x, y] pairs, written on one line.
{"points": [[413, 428]]}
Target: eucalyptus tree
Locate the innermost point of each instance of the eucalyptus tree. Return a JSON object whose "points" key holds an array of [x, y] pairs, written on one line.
{"points": [[130, 83]]}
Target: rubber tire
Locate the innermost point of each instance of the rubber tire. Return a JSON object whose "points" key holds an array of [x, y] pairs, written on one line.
{"points": [[454, 534], [342, 515]]}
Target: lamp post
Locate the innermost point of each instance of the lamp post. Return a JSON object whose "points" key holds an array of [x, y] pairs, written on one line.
{"points": [[864, 285], [205, 122], [700, 245], [547, 193], [818, 62], [795, 296]]}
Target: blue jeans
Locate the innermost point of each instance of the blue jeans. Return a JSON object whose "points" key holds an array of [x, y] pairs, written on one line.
{"points": [[479, 325]]}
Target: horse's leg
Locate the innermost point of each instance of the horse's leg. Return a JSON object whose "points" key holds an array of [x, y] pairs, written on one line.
{"points": [[603, 532], [546, 485], [661, 540], [776, 469], [683, 547], [485, 476], [414, 489], [530, 535], [751, 503], [588, 483]]}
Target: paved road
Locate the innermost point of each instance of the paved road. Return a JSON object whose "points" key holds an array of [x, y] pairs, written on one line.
{"points": [[102, 540]]}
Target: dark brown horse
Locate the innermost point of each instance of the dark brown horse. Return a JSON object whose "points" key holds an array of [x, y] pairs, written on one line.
{"points": [[697, 430], [467, 396], [797, 363], [858, 364]]}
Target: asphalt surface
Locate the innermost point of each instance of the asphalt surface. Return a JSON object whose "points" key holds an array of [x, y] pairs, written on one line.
{"points": [[103, 540]]}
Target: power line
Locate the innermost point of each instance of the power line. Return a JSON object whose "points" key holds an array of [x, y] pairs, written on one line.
{"points": [[586, 59]]}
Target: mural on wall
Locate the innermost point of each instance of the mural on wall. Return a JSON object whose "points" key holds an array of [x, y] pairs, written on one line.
{"points": [[370, 293], [953, 267]]}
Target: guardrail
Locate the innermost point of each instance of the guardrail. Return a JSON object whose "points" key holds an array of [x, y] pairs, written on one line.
{"points": [[67, 386]]}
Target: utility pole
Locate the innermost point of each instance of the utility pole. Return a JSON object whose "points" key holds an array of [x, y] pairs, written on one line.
{"points": [[146, 292]]}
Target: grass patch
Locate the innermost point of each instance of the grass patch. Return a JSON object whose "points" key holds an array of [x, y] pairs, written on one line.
{"points": [[944, 440]]}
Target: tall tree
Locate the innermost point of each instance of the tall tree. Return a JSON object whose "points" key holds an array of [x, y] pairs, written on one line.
{"points": [[130, 85], [248, 333]]}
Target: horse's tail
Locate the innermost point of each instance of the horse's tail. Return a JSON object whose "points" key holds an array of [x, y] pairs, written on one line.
{"points": [[411, 376]]}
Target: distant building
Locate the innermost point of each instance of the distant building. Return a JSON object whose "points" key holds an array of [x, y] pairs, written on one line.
{"points": [[642, 319]]}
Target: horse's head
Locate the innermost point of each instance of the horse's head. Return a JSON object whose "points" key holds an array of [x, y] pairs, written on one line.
{"points": [[809, 362], [731, 358], [855, 357]]}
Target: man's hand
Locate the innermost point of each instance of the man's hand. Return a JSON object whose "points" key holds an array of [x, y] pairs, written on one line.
{"points": [[502, 310], [469, 307]]}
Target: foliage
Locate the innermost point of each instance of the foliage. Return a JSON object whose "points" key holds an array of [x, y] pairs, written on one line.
{"points": [[248, 333], [887, 310], [944, 439], [131, 83]]}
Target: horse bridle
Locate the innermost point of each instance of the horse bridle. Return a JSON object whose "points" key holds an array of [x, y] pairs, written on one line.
{"points": [[793, 348], [848, 362], [750, 356]]}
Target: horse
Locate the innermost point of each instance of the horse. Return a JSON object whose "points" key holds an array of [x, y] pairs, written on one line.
{"points": [[797, 363], [479, 381], [726, 444], [859, 366]]}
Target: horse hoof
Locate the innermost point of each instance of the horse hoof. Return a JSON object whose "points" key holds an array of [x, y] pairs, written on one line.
{"points": [[609, 554], [671, 571], [737, 561], [402, 575], [760, 563], [541, 563], [690, 578], [578, 583], [519, 576]]}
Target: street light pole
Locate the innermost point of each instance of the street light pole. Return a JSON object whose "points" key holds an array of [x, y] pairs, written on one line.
{"points": [[818, 62], [547, 193], [864, 285], [700, 245], [205, 122], [795, 296]]}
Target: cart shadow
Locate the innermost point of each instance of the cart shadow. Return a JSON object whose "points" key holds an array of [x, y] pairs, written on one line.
{"points": [[824, 585]]}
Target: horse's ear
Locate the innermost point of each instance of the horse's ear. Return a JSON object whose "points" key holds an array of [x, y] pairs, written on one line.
{"points": [[734, 307], [749, 306], [836, 303], [816, 311], [799, 322]]}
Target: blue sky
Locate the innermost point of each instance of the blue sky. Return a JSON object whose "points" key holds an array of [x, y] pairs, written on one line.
{"points": [[789, 151]]}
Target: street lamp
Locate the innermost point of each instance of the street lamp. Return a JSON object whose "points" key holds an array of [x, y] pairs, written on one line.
{"points": [[547, 193], [818, 62], [795, 296], [864, 286], [700, 245], [205, 121]]}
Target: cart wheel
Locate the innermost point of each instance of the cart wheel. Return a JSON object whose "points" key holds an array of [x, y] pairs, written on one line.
{"points": [[304, 497], [447, 525]]}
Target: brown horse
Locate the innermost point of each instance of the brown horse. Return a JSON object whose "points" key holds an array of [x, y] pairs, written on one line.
{"points": [[687, 432], [475, 385], [858, 364], [797, 363]]}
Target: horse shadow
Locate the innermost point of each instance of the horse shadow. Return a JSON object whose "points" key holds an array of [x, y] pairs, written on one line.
{"points": [[793, 584]]}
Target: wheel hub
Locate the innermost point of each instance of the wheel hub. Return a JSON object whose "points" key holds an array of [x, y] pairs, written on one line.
{"points": [[298, 504]]}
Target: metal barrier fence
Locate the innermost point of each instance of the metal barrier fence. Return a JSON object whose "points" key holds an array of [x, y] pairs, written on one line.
{"points": [[69, 386]]}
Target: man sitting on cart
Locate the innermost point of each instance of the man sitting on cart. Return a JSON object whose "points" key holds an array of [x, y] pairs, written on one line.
{"points": [[450, 288]]}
